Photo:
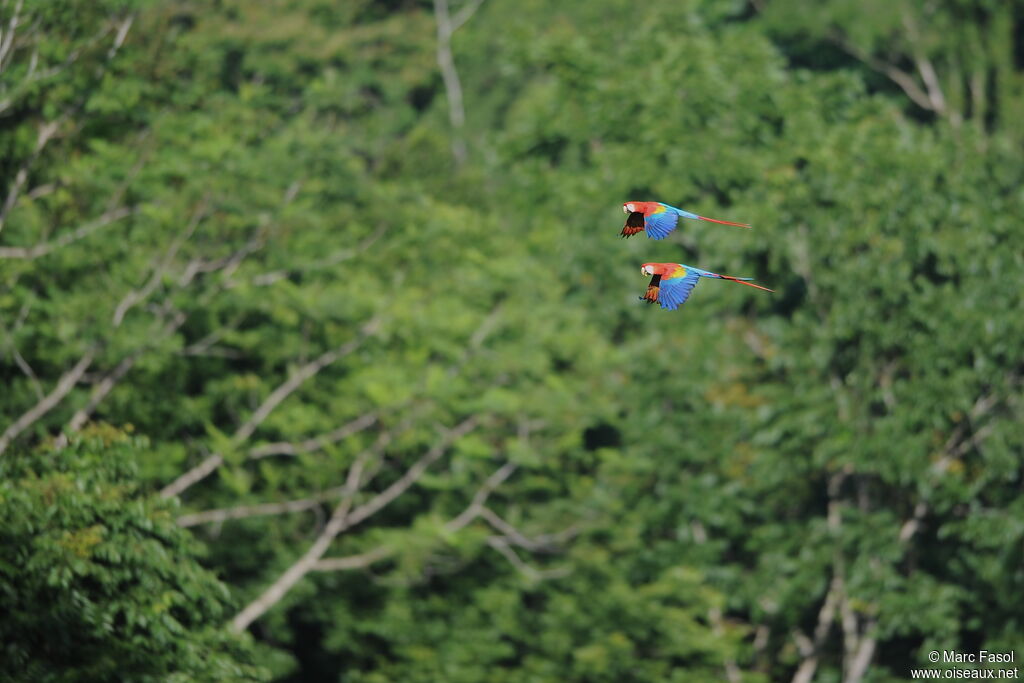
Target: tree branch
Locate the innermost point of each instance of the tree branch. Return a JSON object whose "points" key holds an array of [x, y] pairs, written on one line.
{"points": [[809, 649], [334, 564], [273, 276], [24, 366], [465, 14], [513, 534], [342, 519], [299, 505], [317, 442], [411, 475], [259, 509], [136, 296], [503, 547], [64, 385], [480, 497], [45, 248], [110, 380], [462, 520], [45, 134], [277, 590], [446, 26], [901, 78], [7, 40], [212, 462], [862, 657]]}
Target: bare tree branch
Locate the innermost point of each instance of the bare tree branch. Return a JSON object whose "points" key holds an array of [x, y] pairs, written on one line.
{"points": [[122, 33], [212, 462], [64, 385], [512, 534], [465, 14], [33, 76], [481, 496], [411, 475], [296, 380], [503, 547], [341, 520], [45, 134], [331, 261], [333, 564], [851, 626], [202, 346], [85, 230], [861, 658], [136, 296], [317, 442], [901, 78], [931, 82], [910, 527], [299, 505], [7, 39], [24, 366], [924, 67], [110, 380], [463, 519], [112, 213], [291, 576], [955, 447], [446, 26], [809, 649], [259, 509]]}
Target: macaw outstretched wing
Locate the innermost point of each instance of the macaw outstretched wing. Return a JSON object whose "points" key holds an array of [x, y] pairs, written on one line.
{"points": [[661, 222], [675, 287], [665, 218]]}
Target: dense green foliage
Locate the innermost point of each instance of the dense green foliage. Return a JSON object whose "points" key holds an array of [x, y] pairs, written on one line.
{"points": [[98, 582], [240, 228]]}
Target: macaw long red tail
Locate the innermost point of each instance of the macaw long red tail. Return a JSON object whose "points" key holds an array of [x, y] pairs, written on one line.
{"points": [[743, 281], [715, 220]]}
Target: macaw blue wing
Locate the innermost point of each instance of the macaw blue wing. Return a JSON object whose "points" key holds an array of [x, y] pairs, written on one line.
{"points": [[660, 223], [675, 288]]}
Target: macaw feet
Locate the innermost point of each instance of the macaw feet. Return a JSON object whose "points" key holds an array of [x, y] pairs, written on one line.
{"points": [[651, 296]]}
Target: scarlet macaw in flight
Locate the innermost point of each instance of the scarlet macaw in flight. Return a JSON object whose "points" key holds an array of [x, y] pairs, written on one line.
{"points": [[671, 283], [659, 219]]}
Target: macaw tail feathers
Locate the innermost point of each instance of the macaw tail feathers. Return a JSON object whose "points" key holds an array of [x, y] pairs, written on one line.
{"points": [[715, 220], [744, 281]]}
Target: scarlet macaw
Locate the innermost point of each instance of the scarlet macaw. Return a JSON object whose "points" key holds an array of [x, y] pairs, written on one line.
{"points": [[659, 219], [672, 283]]}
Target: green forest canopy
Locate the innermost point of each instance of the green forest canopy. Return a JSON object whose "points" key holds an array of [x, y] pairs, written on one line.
{"points": [[350, 275]]}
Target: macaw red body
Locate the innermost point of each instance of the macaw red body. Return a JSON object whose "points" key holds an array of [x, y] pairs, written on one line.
{"points": [[671, 283], [658, 219]]}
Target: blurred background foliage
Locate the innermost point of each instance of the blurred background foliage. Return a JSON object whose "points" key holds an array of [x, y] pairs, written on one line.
{"points": [[300, 246]]}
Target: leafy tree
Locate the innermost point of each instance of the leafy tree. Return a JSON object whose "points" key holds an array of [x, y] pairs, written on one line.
{"points": [[394, 366], [959, 61], [98, 581]]}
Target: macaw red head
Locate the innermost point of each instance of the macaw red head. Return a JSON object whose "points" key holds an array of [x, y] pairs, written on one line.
{"points": [[657, 268], [630, 207]]}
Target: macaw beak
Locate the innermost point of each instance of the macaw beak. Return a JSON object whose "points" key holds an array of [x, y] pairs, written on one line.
{"points": [[624, 209]]}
